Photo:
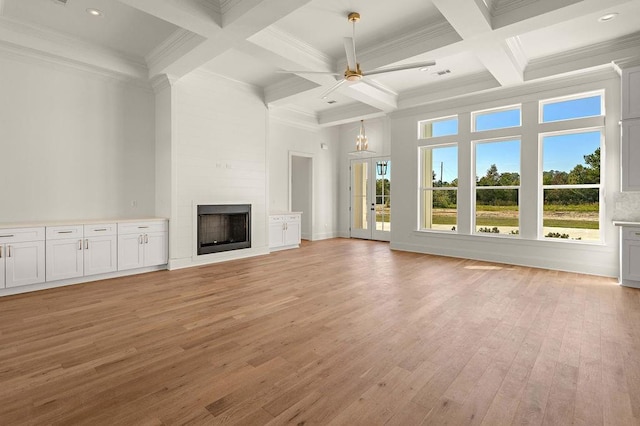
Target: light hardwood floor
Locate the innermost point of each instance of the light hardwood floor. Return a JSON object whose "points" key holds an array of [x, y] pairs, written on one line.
{"points": [[337, 332]]}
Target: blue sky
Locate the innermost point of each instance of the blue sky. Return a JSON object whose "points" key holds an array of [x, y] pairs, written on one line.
{"points": [[560, 152]]}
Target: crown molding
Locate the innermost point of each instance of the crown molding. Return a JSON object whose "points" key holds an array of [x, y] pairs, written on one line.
{"points": [[227, 5], [56, 47], [523, 92], [348, 114], [169, 46], [518, 53], [615, 50], [288, 87], [408, 44], [213, 6], [207, 74], [451, 89], [500, 7], [38, 58], [294, 117], [274, 36], [162, 82]]}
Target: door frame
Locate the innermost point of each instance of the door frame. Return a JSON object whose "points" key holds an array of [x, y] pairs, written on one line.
{"points": [[372, 233], [309, 214]]}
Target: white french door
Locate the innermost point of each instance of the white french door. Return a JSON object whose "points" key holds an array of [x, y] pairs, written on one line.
{"points": [[370, 209]]}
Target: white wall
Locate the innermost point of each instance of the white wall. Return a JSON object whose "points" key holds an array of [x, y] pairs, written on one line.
{"points": [[75, 145], [218, 156], [285, 139], [599, 259]]}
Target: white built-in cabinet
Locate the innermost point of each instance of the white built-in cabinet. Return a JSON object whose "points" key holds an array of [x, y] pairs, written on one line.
{"points": [[64, 254], [284, 231], [22, 255], [142, 244], [81, 250], [630, 256], [631, 93], [100, 248], [630, 142]]}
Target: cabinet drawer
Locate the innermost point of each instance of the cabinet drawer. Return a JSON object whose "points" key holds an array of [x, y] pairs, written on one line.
{"points": [[64, 232], [17, 235], [142, 227], [276, 218], [293, 218], [102, 229], [631, 234]]}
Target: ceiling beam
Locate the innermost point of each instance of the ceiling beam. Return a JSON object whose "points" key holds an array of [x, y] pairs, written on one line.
{"points": [[196, 16], [470, 19]]}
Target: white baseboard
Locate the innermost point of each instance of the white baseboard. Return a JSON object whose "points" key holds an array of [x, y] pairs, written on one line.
{"points": [[79, 280]]}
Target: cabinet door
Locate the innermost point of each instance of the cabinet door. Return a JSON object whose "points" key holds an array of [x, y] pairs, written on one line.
{"points": [[276, 234], [155, 248], [130, 251], [630, 155], [24, 263], [631, 260], [2, 263], [64, 259], [100, 255], [292, 234], [631, 93]]}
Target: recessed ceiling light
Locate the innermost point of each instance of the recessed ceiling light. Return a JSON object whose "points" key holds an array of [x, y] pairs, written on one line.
{"points": [[94, 12], [608, 17], [424, 69]]}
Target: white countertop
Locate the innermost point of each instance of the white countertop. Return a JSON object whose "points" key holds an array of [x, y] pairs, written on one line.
{"points": [[77, 222], [625, 223]]}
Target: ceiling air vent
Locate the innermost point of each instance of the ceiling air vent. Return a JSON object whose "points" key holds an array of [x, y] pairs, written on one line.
{"points": [[443, 72], [331, 102], [62, 2]]}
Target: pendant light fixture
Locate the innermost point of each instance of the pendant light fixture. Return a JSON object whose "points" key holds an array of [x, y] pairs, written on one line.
{"points": [[362, 142]]}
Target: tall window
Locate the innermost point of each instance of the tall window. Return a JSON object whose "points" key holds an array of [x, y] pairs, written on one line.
{"points": [[439, 188], [571, 185], [497, 166]]}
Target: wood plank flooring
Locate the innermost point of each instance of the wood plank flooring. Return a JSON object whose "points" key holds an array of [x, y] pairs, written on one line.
{"points": [[338, 332]]}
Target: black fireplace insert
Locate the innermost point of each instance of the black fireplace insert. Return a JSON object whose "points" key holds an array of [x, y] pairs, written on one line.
{"points": [[223, 227]]}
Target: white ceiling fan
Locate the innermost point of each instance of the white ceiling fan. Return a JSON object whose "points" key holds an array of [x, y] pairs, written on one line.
{"points": [[353, 72]]}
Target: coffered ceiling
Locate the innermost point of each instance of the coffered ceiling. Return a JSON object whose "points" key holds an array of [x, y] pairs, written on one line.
{"points": [[477, 44]]}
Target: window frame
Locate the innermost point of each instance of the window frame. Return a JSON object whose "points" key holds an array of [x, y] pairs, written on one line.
{"points": [[600, 186], [477, 113], [572, 97], [423, 189], [475, 187], [422, 123]]}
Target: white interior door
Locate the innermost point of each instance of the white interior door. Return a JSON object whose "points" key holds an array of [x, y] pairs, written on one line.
{"points": [[371, 198]]}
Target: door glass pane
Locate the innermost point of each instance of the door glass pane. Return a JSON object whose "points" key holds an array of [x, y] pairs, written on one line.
{"points": [[383, 195], [359, 193]]}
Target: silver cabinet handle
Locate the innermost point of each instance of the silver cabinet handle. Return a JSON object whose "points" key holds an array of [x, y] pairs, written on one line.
{"points": [[140, 239], [142, 227], [79, 244], [8, 251], [100, 230], [86, 244], [65, 232], [637, 233], [0, 252], [146, 239], [6, 236]]}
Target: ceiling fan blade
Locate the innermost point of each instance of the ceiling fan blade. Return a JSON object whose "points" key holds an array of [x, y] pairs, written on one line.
{"points": [[350, 49], [401, 68], [332, 88], [307, 72]]}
